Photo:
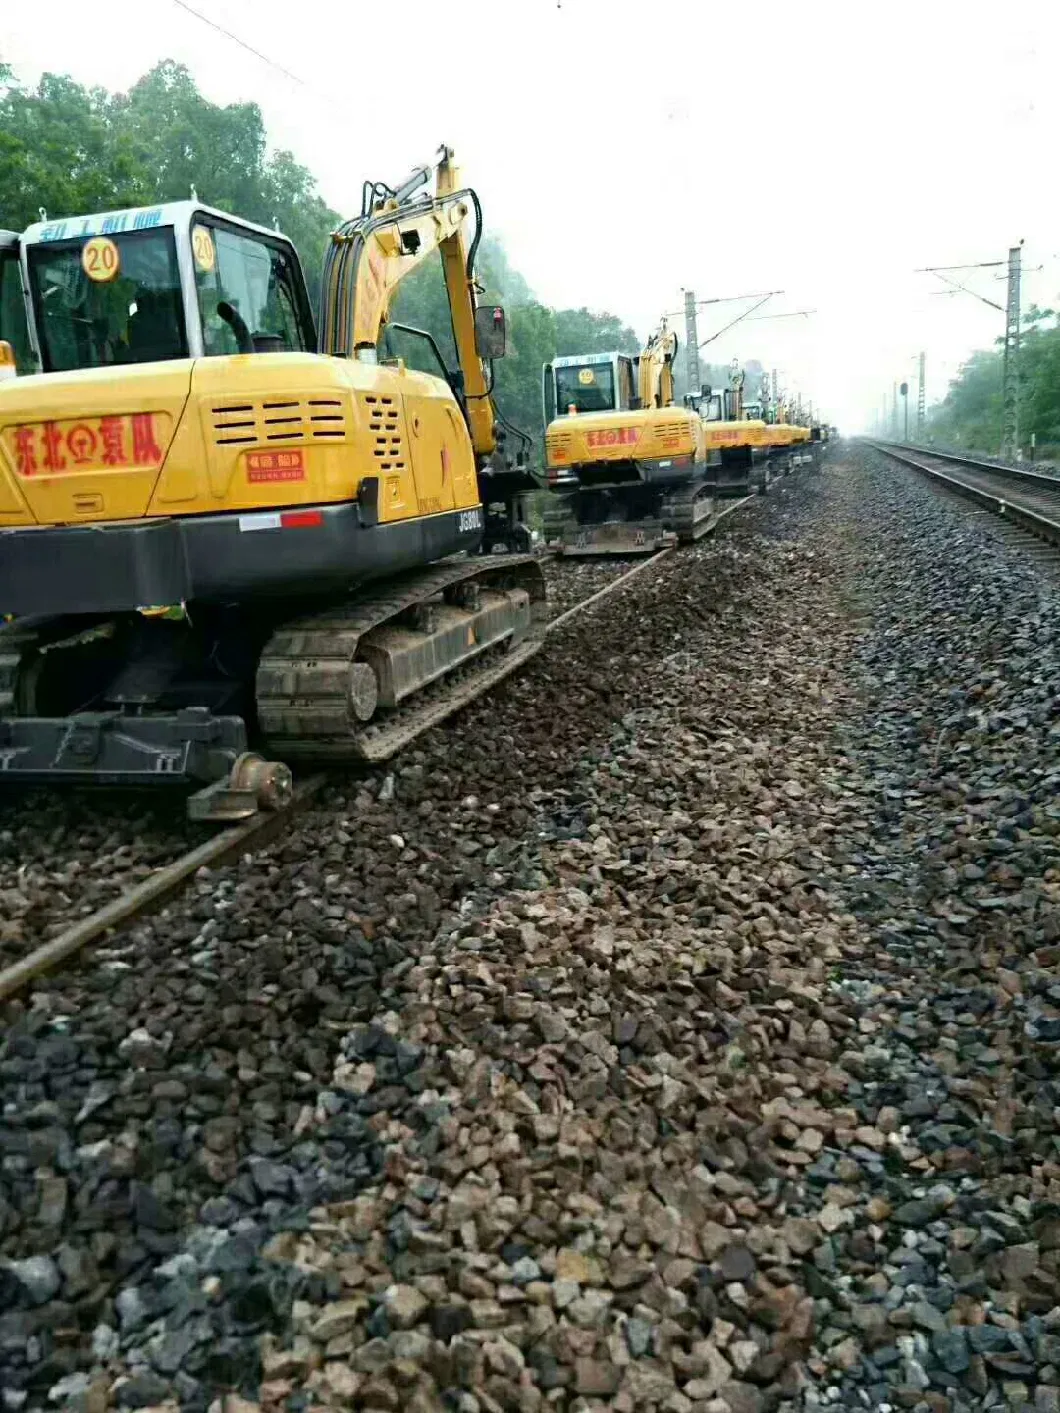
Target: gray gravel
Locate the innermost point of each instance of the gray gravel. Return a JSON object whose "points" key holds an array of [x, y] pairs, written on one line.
{"points": [[676, 1030], [63, 855], [571, 580]]}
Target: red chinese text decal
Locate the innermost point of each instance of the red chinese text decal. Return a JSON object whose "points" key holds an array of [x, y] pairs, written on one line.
{"points": [[56, 448], [614, 436], [275, 466]]}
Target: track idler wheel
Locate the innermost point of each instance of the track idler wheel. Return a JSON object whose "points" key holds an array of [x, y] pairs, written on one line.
{"points": [[364, 692]]}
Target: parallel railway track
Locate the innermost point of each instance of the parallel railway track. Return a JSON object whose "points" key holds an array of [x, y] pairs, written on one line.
{"points": [[1026, 500], [148, 894]]}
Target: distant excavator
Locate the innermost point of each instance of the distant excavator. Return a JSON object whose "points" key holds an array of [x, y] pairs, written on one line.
{"points": [[218, 532], [747, 441], [626, 466], [735, 439]]}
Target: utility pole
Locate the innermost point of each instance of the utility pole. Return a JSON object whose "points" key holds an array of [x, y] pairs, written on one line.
{"points": [[1010, 374], [921, 401], [1010, 371], [904, 390], [894, 411], [692, 303], [691, 343]]}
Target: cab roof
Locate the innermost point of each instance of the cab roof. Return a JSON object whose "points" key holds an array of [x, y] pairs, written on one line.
{"points": [[576, 360], [136, 218]]}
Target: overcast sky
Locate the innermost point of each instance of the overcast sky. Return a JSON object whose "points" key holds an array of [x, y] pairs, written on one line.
{"points": [[624, 151]]}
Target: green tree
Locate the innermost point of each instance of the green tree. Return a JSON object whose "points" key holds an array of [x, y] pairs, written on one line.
{"points": [[970, 413], [582, 331], [74, 150], [71, 149]]}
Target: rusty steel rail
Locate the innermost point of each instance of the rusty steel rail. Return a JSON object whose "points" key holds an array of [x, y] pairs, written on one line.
{"points": [[1022, 515], [149, 895], [1016, 474], [152, 892]]}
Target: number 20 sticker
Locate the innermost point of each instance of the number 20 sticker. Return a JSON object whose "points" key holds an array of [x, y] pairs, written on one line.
{"points": [[202, 247], [100, 259]]}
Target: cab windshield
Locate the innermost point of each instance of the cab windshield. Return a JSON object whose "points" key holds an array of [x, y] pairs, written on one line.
{"points": [[589, 386], [108, 300]]}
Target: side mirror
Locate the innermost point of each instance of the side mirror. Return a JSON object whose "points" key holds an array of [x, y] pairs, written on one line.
{"points": [[490, 331]]}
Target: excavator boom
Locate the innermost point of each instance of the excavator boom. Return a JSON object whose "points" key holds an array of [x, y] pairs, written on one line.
{"points": [[370, 255]]}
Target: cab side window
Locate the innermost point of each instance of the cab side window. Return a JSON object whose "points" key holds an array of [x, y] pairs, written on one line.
{"points": [[13, 327], [625, 383], [254, 277]]}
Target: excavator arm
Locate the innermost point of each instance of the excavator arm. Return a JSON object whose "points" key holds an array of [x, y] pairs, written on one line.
{"points": [[655, 374], [370, 255], [736, 382]]}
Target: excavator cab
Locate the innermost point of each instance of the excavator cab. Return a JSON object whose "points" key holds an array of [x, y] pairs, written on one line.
{"points": [[161, 284], [714, 407], [588, 382]]}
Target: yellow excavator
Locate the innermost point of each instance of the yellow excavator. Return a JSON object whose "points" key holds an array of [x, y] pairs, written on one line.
{"points": [[626, 466], [220, 531], [748, 441], [736, 442]]}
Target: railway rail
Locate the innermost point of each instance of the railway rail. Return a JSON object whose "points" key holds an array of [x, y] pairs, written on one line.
{"points": [[1028, 500], [577, 586]]}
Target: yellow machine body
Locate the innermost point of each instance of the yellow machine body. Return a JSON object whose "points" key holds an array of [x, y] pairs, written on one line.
{"points": [[745, 433], [630, 467], [241, 433], [646, 434]]}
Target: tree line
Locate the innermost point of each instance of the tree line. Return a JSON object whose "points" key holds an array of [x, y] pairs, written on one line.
{"points": [[969, 416], [73, 149]]}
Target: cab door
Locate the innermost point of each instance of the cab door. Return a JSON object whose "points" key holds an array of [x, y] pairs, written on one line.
{"points": [[14, 326], [442, 458]]}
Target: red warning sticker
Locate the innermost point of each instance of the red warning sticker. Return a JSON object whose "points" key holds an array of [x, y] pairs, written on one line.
{"points": [[275, 466]]}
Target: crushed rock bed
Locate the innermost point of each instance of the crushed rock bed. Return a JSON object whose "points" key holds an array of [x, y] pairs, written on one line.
{"points": [[65, 854], [570, 580], [671, 1031]]}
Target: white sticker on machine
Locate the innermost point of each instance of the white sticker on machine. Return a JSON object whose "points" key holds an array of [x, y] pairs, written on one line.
{"points": [[270, 520]]}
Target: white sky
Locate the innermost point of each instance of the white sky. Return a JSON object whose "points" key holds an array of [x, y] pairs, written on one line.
{"points": [[624, 151]]}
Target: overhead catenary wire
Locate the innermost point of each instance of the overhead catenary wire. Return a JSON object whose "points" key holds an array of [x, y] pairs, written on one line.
{"points": [[739, 318], [263, 58]]}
